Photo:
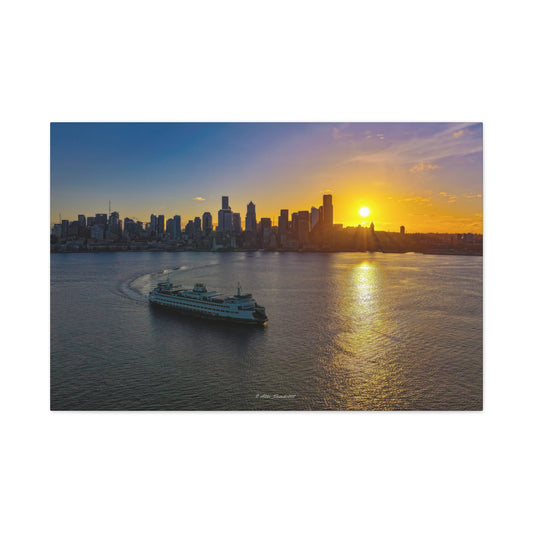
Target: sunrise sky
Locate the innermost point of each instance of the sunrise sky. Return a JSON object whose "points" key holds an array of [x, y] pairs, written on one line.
{"points": [[425, 176]]}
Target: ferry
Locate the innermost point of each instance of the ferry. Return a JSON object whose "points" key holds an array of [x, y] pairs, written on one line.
{"points": [[198, 301]]}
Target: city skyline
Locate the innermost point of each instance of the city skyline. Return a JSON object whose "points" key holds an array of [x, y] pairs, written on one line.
{"points": [[425, 176]]}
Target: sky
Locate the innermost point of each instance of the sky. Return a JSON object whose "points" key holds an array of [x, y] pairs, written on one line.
{"points": [[425, 176]]}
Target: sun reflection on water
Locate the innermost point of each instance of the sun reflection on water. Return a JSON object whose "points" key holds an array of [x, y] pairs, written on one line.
{"points": [[364, 282], [366, 337]]}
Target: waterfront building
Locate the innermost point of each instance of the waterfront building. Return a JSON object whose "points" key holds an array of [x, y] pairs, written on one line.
{"points": [[97, 232], [207, 223], [294, 225], [189, 229], [130, 228], [82, 222], [327, 202], [251, 220], [73, 229], [314, 217], [402, 230], [236, 223], [283, 222], [225, 219], [303, 227], [197, 226], [160, 225], [101, 219], [56, 231], [176, 234], [64, 229], [114, 223]]}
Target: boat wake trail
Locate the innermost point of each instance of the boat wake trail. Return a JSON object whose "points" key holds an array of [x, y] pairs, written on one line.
{"points": [[137, 287]]}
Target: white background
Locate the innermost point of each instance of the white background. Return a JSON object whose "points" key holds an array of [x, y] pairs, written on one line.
{"points": [[289, 61]]}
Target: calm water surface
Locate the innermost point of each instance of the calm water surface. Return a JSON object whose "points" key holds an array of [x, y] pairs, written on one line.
{"points": [[346, 331]]}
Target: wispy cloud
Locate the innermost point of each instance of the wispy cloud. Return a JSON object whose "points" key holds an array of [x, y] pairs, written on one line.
{"points": [[429, 149], [451, 198], [417, 199], [470, 196], [420, 167], [199, 199], [341, 132]]}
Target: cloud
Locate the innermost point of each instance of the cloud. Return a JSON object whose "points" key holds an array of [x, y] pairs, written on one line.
{"points": [[417, 199], [413, 150], [458, 133], [341, 133], [450, 197], [199, 199], [470, 196], [420, 167]]}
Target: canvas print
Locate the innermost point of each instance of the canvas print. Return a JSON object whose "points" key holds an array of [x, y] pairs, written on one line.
{"points": [[266, 266]]}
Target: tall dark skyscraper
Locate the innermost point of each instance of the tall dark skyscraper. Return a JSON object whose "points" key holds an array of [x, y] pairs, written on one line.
{"points": [[177, 227], [189, 229], [294, 225], [251, 220], [314, 217], [114, 222], [304, 221], [64, 229], [207, 223], [236, 223], [161, 224], [101, 219], [327, 201], [283, 222], [225, 219], [197, 226]]}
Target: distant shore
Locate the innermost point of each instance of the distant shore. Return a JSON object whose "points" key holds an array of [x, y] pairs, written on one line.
{"points": [[162, 250]]}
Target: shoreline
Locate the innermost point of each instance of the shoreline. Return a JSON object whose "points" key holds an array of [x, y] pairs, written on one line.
{"points": [[463, 253]]}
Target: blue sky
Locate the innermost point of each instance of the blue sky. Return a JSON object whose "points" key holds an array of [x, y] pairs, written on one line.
{"points": [[184, 168]]}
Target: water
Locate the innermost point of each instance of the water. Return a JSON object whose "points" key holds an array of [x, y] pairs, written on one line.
{"points": [[355, 331]]}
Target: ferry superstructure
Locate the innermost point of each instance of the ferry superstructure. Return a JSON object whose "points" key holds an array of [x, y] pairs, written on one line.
{"points": [[198, 301]]}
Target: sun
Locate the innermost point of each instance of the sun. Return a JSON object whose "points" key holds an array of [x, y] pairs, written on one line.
{"points": [[364, 211]]}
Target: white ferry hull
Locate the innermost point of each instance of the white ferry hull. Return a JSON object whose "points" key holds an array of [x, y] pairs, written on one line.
{"points": [[210, 316], [199, 303]]}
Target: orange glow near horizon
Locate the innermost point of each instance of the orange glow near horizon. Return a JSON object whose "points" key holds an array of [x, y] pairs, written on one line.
{"points": [[426, 177]]}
